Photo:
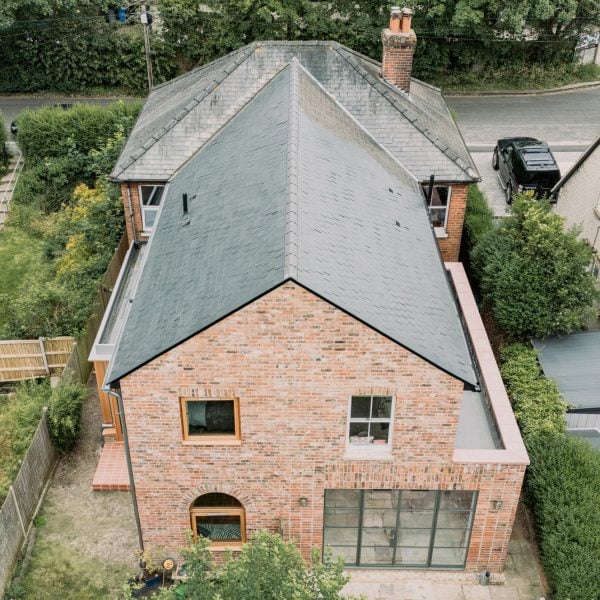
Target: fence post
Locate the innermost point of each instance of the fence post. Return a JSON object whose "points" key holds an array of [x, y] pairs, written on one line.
{"points": [[12, 490], [44, 357]]}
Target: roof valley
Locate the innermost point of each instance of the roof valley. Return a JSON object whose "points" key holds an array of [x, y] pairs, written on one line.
{"points": [[291, 208]]}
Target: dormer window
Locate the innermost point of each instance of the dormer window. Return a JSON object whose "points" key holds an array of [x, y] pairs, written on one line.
{"points": [[370, 420], [150, 197]]}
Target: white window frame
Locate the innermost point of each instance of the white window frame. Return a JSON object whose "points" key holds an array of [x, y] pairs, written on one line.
{"points": [[145, 209], [436, 185], [352, 448]]}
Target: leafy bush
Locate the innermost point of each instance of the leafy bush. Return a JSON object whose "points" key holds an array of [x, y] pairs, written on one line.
{"points": [[534, 274], [536, 401], [267, 568], [54, 132], [479, 217], [64, 414], [20, 414], [79, 244], [564, 484]]}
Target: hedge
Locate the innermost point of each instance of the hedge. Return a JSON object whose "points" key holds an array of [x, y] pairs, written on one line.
{"points": [[562, 483], [479, 217], [20, 414]]}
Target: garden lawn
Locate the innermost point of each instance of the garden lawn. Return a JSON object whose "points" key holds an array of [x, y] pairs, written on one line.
{"points": [[21, 253]]}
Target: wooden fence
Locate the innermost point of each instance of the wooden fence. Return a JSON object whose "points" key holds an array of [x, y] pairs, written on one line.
{"points": [[27, 359], [26, 493]]}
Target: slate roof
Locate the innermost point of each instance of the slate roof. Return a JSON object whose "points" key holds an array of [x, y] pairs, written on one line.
{"points": [[294, 188], [181, 115], [573, 361], [588, 152]]}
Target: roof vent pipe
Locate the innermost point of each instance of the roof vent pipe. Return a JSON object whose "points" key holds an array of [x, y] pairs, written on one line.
{"points": [[395, 19], [185, 204]]}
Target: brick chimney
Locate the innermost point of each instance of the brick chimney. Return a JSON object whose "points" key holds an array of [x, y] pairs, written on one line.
{"points": [[399, 42]]}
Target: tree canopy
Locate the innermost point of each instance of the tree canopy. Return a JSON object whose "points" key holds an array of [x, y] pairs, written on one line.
{"points": [[534, 274]]}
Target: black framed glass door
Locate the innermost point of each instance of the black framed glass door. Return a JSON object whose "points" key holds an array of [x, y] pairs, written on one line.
{"points": [[399, 528]]}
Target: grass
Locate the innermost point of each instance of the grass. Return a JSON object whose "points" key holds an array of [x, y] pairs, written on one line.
{"points": [[21, 253], [56, 571], [529, 77]]}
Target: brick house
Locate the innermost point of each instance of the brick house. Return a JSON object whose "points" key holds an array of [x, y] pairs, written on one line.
{"points": [[288, 350]]}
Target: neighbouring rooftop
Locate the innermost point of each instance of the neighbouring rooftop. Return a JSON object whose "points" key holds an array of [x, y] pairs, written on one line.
{"points": [[573, 362]]}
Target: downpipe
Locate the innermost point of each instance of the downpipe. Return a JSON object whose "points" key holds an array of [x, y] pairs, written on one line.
{"points": [[136, 513]]}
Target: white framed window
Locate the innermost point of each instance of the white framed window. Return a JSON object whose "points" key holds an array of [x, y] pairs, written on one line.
{"points": [[439, 205], [370, 421], [150, 197]]}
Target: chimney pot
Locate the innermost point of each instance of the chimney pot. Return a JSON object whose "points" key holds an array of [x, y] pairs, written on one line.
{"points": [[395, 18], [406, 19]]}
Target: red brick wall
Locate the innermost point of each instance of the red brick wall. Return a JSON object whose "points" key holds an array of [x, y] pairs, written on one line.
{"points": [[134, 191], [293, 360], [398, 52], [450, 246]]}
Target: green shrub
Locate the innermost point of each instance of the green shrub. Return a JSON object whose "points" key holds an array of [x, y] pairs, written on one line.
{"points": [[563, 483], [64, 414], [3, 148], [19, 417], [533, 274], [479, 217], [536, 400], [54, 132]]}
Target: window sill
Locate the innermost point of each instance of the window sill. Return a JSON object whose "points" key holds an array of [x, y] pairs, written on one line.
{"points": [[227, 547], [440, 233], [368, 453], [213, 442]]}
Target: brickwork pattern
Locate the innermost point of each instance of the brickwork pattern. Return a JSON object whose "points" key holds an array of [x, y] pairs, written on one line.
{"points": [[450, 246], [293, 360], [398, 53]]}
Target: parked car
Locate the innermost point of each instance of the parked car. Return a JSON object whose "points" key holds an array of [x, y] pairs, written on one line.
{"points": [[14, 128], [525, 163]]}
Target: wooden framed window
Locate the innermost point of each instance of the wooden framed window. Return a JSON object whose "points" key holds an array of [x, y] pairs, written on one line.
{"points": [[370, 421], [220, 518], [208, 420]]}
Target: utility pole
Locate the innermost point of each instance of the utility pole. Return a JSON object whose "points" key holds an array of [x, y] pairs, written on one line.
{"points": [[146, 23]]}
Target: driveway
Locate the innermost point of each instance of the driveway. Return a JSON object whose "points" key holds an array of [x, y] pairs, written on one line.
{"points": [[523, 578]]}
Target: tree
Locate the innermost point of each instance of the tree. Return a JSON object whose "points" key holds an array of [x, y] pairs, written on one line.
{"points": [[534, 274], [267, 568]]}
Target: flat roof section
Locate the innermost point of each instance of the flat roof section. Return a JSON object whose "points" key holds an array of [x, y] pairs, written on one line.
{"points": [[476, 428], [573, 362]]}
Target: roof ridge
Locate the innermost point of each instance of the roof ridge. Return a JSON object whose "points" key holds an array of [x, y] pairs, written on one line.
{"points": [[376, 85], [356, 122], [291, 206], [188, 108]]}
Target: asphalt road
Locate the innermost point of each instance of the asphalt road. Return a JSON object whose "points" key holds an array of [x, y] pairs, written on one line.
{"points": [[568, 121], [564, 119]]}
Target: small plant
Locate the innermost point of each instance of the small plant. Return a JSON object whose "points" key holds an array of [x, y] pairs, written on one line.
{"points": [[64, 414]]}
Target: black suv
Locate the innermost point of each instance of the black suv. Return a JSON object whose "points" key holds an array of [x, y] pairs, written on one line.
{"points": [[524, 163]]}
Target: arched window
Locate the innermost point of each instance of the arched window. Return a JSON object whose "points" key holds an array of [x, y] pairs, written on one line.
{"points": [[220, 518]]}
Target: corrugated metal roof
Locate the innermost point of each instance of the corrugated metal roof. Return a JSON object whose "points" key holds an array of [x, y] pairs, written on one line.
{"points": [[181, 115], [573, 361], [294, 188]]}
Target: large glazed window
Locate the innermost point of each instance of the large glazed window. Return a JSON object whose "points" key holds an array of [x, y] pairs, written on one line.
{"points": [[220, 518], [370, 420], [399, 528], [210, 419], [150, 197]]}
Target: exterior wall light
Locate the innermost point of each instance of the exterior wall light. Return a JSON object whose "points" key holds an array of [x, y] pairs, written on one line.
{"points": [[497, 503], [303, 501]]}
